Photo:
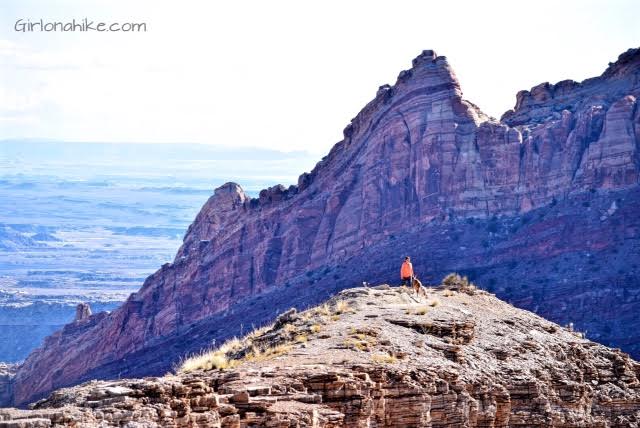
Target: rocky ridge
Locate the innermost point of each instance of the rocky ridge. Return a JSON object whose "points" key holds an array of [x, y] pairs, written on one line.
{"points": [[546, 199], [381, 357]]}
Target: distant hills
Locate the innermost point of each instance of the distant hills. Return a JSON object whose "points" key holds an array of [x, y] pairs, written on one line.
{"points": [[87, 222]]}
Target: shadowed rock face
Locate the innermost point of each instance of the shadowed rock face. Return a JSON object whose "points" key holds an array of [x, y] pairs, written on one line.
{"points": [[540, 207], [378, 357]]}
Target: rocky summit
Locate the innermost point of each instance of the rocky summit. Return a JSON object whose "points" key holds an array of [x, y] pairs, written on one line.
{"points": [[375, 357], [539, 207]]}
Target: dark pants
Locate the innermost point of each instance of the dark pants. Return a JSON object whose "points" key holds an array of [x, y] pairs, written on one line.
{"points": [[406, 280]]}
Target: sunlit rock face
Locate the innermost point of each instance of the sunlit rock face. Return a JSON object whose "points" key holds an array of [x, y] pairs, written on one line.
{"points": [[539, 207]]}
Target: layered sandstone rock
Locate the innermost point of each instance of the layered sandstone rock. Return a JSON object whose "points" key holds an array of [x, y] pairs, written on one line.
{"points": [[378, 357], [540, 207]]}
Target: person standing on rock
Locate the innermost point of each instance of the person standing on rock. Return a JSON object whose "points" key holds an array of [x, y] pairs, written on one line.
{"points": [[406, 272]]}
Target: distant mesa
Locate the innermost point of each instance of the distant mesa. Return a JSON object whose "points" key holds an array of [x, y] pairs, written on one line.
{"points": [[11, 239], [45, 237]]}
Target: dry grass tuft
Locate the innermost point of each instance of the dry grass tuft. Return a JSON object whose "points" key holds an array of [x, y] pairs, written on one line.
{"points": [[361, 339], [257, 355], [422, 310], [207, 360], [460, 283], [289, 328], [254, 354], [232, 345], [301, 338], [221, 358], [384, 358], [316, 328], [353, 343], [259, 332], [434, 302], [323, 310], [342, 307]]}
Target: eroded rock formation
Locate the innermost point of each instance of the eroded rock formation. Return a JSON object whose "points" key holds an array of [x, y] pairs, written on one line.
{"points": [[540, 207], [83, 312], [378, 357]]}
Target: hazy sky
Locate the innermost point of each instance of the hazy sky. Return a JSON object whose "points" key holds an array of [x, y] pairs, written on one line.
{"points": [[286, 75]]}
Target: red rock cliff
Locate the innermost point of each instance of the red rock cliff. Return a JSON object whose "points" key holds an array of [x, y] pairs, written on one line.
{"points": [[536, 197]]}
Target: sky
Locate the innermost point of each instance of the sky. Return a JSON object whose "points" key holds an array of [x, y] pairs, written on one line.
{"points": [[286, 75]]}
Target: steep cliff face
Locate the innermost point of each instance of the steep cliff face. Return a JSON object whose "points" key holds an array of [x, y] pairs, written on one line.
{"points": [[540, 199], [378, 357]]}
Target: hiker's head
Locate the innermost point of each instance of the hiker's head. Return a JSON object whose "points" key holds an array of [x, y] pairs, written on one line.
{"points": [[407, 259]]}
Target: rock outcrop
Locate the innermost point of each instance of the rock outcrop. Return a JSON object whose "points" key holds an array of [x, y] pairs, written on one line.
{"points": [[376, 357], [25, 320], [83, 312], [7, 372], [540, 207]]}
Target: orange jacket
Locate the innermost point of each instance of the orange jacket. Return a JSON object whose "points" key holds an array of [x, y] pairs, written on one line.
{"points": [[406, 270]]}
